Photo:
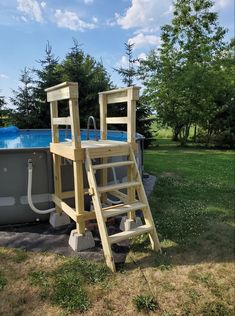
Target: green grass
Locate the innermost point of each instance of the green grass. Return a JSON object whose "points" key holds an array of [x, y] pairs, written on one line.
{"points": [[145, 303], [192, 205], [194, 195], [66, 285], [3, 281]]}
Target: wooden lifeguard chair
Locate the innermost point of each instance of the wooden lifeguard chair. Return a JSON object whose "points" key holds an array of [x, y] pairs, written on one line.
{"points": [[130, 193]]}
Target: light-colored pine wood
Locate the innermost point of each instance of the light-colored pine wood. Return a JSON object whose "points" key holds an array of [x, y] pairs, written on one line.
{"points": [[113, 165], [64, 206], [100, 218], [118, 186], [79, 151], [147, 212], [63, 91], [130, 233], [122, 209], [61, 121], [66, 150], [116, 120]]}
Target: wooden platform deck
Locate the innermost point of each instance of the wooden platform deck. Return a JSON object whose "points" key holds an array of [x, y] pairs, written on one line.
{"points": [[106, 148]]}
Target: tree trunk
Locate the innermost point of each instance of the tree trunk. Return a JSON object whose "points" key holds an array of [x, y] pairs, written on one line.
{"points": [[195, 134], [176, 132], [184, 135]]}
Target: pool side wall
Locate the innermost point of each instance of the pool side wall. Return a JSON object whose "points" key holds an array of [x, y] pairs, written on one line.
{"points": [[14, 208]]}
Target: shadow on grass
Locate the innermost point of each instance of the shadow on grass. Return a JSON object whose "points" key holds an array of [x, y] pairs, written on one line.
{"points": [[192, 205]]}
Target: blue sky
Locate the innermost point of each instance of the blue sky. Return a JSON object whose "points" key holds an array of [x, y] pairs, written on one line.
{"points": [[101, 26]]}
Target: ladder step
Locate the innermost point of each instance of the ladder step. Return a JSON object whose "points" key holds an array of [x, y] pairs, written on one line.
{"points": [[130, 233], [113, 164], [118, 186], [122, 209]]}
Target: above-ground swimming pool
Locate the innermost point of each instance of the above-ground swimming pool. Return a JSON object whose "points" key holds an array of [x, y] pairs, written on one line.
{"points": [[16, 148]]}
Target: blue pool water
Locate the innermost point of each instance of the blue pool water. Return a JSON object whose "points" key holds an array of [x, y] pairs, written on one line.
{"points": [[42, 138]]}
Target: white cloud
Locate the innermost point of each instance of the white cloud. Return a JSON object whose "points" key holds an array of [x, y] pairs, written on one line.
{"points": [[43, 4], [3, 76], [70, 20], [123, 62], [31, 8], [88, 1], [111, 22], [142, 40], [142, 56], [23, 18], [223, 3], [144, 14], [95, 19]]}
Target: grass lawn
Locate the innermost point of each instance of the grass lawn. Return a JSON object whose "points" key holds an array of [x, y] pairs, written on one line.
{"points": [[192, 204]]}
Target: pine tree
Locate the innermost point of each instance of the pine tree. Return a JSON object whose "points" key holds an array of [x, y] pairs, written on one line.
{"points": [[128, 74], [25, 113], [2, 104], [48, 75], [143, 111], [91, 77]]}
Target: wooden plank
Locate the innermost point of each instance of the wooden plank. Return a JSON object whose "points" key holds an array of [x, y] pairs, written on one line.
{"points": [[135, 91], [57, 177], [62, 85], [66, 150], [120, 195], [79, 196], [116, 120], [131, 114], [118, 186], [153, 236], [54, 129], [109, 151], [118, 210], [98, 210], [103, 115], [113, 164], [86, 216], [61, 121], [71, 194], [130, 233], [75, 123], [62, 92], [117, 98], [65, 207]]}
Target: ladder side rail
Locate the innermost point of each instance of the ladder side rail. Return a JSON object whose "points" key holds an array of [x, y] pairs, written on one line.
{"points": [[103, 136], [146, 211], [99, 216]]}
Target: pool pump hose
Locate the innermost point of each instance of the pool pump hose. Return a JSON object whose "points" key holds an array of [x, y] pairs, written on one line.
{"points": [[29, 192]]}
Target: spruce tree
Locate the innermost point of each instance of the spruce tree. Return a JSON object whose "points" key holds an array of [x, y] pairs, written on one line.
{"points": [[47, 75], [92, 78], [129, 75], [25, 113], [2, 104]]}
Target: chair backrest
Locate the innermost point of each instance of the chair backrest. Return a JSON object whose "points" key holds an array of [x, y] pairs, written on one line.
{"points": [[65, 91], [124, 95]]}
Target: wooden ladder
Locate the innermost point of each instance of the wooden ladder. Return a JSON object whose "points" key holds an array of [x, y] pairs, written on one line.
{"points": [[130, 206]]}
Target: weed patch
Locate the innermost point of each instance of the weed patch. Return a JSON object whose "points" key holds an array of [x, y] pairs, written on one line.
{"points": [[145, 303], [216, 309], [162, 261], [69, 293], [66, 286], [3, 282], [19, 255]]}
